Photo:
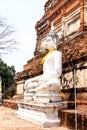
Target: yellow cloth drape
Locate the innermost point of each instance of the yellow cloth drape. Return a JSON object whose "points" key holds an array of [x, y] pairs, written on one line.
{"points": [[0, 86], [44, 58], [62, 95]]}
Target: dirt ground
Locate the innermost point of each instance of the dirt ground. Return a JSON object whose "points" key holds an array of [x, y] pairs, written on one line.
{"points": [[9, 121]]}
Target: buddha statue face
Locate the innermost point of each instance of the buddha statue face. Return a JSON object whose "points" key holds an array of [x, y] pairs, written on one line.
{"points": [[50, 43]]}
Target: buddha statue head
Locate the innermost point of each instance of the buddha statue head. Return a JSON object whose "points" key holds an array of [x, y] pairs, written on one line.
{"points": [[51, 39]]}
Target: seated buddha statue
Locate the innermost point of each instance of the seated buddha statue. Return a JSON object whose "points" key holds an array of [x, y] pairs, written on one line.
{"points": [[46, 87]]}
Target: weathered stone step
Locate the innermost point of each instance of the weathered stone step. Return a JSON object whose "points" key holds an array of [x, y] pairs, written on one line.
{"points": [[69, 118], [79, 103], [10, 103]]}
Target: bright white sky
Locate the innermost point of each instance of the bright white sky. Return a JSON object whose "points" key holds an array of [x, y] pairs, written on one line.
{"points": [[23, 14]]}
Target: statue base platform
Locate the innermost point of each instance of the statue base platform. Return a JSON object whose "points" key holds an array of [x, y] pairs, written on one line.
{"points": [[43, 114], [42, 98]]}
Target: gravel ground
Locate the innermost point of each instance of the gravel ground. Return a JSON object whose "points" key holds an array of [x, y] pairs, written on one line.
{"points": [[9, 121]]}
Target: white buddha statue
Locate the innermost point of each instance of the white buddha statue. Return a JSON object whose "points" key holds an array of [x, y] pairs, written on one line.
{"points": [[46, 87]]}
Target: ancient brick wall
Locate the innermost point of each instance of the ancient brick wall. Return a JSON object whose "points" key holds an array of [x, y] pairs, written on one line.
{"points": [[73, 52], [31, 69], [74, 49], [72, 46], [74, 56]]}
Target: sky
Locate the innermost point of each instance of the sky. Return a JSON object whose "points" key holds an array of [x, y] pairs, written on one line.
{"points": [[23, 15]]}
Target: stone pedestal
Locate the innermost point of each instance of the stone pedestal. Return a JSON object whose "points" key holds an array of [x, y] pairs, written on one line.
{"points": [[43, 98], [43, 114]]}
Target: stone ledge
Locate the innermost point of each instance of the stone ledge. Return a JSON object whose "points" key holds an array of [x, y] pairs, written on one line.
{"points": [[10, 103], [44, 114], [68, 119]]}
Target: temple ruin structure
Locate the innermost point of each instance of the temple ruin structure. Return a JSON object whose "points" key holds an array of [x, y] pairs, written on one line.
{"points": [[70, 22]]}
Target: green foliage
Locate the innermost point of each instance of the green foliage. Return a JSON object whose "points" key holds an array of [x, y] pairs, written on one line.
{"points": [[7, 75], [10, 93]]}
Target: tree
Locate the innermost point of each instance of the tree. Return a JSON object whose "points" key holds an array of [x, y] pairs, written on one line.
{"points": [[7, 41], [7, 44], [7, 74]]}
